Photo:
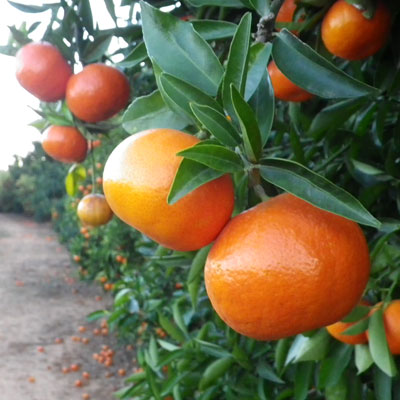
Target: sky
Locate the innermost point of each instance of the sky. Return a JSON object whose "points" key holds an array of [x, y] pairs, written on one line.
{"points": [[16, 135]]}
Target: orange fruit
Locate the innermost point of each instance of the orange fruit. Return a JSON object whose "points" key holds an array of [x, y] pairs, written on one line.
{"points": [[97, 92], [93, 210], [78, 383], [336, 330], [43, 71], [346, 33], [137, 179], [285, 89], [286, 12], [285, 267], [65, 144], [391, 319]]}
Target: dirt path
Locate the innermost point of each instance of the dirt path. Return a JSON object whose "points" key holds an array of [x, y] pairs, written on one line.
{"points": [[39, 302]]}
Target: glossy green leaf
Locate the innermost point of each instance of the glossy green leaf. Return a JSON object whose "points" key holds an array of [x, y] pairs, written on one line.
{"points": [[218, 125], [189, 177], [236, 66], [302, 380], [178, 318], [171, 328], [334, 116], [258, 60], [32, 8], [194, 289], [214, 156], [214, 371], [213, 30], [135, 57], [307, 69], [221, 3], [151, 112], [357, 328], [378, 344], [263, 104], [198, 263], [314, 188], [266, 372], [362, 357], [250, 131], [312, 348], [182, 94], [358, 312], [179, 50]]}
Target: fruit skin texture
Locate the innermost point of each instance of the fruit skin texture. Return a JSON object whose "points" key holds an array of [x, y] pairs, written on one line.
{"points": [[285, 89], [43, 71], [97, 92], [339, 327], [286, 267], [346, 33], [391, 320], [93, 210], [65, 144], [286, 12], [137, 179]]}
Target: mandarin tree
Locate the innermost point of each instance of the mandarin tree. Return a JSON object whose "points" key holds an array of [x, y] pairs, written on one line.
{"points": [[249, 219]]}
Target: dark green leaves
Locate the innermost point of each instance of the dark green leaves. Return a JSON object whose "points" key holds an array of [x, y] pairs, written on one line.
{"points": [[189, 177], [250, 131], [32, 8], [221, 3], [236, 67], [215, 370], [217, 124], [212, 30], [309, 186], [307, 69], [136, 56], [150, 112], [179, 50]]}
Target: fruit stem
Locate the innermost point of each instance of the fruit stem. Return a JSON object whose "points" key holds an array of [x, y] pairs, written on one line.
{"points": [[255, 183], [266, 25], [93, 166]]}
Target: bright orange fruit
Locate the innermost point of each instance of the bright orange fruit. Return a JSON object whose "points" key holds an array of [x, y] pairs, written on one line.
{"points": [[286, 267], [65, 144], [346, 33], [137, 179], [43, 71]]}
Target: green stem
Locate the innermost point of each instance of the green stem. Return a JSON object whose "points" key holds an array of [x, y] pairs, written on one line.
{"points": [[266, 25], [331, 158], [93, 166]]}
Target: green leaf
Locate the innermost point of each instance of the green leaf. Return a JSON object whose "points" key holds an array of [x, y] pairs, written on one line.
{"points": [[266, 372], [194, 290], [334, 116], [362, 358], [76, 175], [179, 50], [221, 3], [378, 344], [248, 124], [258, 60], [333, 367], [213, 30], [96, 49], [135, 57], [236, 67], [261, 6], [382, 385], [214, 371], [96, 315], [263, 104], [217, 124], [85, 12], [177, 315], [357, 328], [311, 348], [111, 9], [171, 329], [198, 263], [189, 177], [307, 69], [338, 391], [314, 188], [302, 380], [32, 8], [214, 156], [182, 94], [358, 312], [151, 112]]}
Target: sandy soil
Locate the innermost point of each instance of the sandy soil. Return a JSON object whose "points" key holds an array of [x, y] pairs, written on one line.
{"points": [[39, 302]]}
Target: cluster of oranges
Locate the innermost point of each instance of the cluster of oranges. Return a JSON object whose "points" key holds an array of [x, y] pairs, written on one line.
{"points": [[346, 33]]}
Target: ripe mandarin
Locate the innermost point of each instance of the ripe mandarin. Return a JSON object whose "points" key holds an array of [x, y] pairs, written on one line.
{"points": [[286, 267], [97, 92], [284, 89], [346, 33], [137, 179], [391, 319], [93, 210], [65, 144], [43, 71]]}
